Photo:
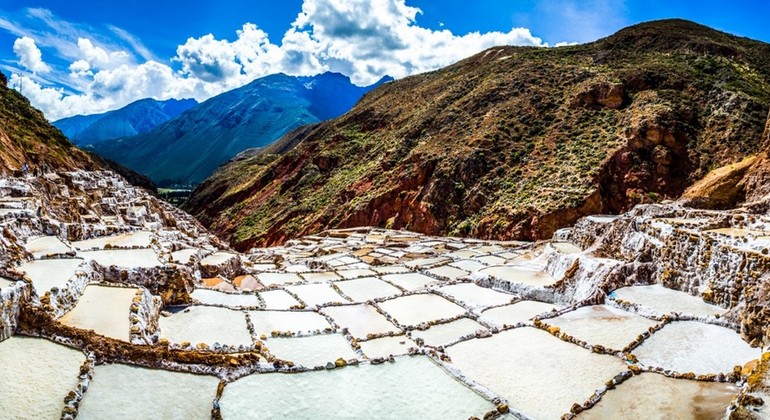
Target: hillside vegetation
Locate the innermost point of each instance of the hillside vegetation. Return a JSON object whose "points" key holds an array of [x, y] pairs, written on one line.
{"points": [[512, 143]]}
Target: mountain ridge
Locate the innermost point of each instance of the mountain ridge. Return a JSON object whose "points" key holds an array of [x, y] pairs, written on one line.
{"points": [[511, 143]]}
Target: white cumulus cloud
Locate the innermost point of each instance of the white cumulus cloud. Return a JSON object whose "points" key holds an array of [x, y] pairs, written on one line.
{"points": [[363, 39], [30, 55]]}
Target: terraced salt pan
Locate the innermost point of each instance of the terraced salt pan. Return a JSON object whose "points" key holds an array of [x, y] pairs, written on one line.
{"points": [[318, 277], [46, 245], [316, 294], [689, 346], [152, 393], [664, 300], [37, 375], [386, 346], [522, 275], [130, 258], [310, 351], [360, 320], [476, 296], [367, 288], [390, 269], [183, 256], [104, 310], [126, 240], [266, 322], [652, 396], [604, 325], [449, 272], [468, 265], [518, 312], [410, 388], [543, 375], [566, 247], [490, 260], [278, 299], [416, 309], [439, 335], [46, 274], [735, 232], [410, 281], [213, 297], [356, 273], [218, 258], [269, 279], [206, 324], [4, 282]]}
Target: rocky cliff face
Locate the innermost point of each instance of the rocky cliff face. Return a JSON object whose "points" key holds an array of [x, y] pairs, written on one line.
{"points": [[511, 143]]}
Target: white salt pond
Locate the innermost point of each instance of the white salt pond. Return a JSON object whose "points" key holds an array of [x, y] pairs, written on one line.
{"points": [[604, 325], [322, 276], [517, 274], [656, 397], [37, 375], [367, 288], [152, 393], [124, 240], [476, 296], [543, 376], [356, 273], [416, 309], [206, 324], [183, 256], [410, 388], [4, 282], [518, 312], [218, 258], [386, 346], [102, 309], [46, 245], [316, 294], [390, 269], [313, 350], [269, 279], [566, 247], [130, 258], [213, 297], [278, 299], [663, 300], [448, 272], [47, 274], [490, 260], [304, 322], [360, 320], [410, 281], [690, 346], [439, 335], [468, 265]]}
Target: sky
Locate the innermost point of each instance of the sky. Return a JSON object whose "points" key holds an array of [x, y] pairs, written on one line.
{"points": [[83, 57]]}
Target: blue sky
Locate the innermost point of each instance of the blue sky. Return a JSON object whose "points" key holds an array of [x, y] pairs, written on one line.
{"points": [[92, 56]]}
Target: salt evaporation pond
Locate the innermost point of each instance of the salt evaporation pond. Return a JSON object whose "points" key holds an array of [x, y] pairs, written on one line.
{"points": [[47, 274], [416, 309], [386, 346], [517, 274], [278, 299], [476, 296], [449, 272], [543, 376], [313, 350], [213, 297], [4, 282], [518, 312], [218, 258], [468, 265], [410, 388], [664, 300], [409, 281], [360, 320], [320, 276], [652, 396], [690, 346], [37, 375], [316, 294], [46, 245], [125, 240], [133, 258], [183, 256], [269, 279], [126, 392], [604, 325], [566, 247], [206, 324], [439, 335], [356, 273], [367, 288], [103, 309], [302, 322]]}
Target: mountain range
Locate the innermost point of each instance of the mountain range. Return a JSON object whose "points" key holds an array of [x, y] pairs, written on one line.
{"points": [[189, 148], [135, 118], [512, 143]]}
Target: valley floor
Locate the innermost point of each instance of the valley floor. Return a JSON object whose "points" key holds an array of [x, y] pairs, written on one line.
{"points": [[113, 300]]}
